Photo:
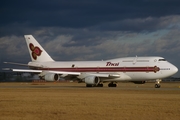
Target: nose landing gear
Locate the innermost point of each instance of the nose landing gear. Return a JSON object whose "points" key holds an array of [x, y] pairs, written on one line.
{"points": [[157, 83]]}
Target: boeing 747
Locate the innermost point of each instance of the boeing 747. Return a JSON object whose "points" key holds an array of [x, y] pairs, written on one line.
{"points": [[95, 73]]}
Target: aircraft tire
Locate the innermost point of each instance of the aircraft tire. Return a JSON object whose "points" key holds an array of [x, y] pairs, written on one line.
{"points": [[100, 85], [157, 86], [87, 85], [112, 85]]}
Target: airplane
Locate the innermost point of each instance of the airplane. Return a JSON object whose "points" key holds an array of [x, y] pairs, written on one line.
{"points": [[95, 73]]}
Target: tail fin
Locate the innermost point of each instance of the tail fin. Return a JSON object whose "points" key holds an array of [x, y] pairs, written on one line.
{"points": [[36, 51]]}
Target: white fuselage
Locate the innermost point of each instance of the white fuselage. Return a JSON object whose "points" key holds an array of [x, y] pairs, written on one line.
{"points": [[129, 68]]}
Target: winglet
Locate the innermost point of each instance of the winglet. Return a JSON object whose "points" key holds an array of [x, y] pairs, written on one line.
{"points": [[36, 51]]}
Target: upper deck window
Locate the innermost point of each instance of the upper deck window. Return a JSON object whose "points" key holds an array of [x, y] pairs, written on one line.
{"points": [[162, 59]]}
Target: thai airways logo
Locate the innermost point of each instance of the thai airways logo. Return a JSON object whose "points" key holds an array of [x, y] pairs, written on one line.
{"points": [[36, 51], [112, 64]]}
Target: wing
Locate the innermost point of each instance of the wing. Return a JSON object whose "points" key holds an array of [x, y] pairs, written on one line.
{"points": [[39, 71], [26, 70], [63, 73], [80, 76]]}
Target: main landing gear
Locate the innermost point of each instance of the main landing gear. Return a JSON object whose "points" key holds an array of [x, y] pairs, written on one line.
{"points": [[98, 85], [157, 83], [112, 85]]}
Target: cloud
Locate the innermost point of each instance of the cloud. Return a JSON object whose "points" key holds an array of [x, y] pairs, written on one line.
{"points": [[81, 14], [86, 41], [13, 48], [169, 44], [91, 30], [12, 45], [148, 24]]}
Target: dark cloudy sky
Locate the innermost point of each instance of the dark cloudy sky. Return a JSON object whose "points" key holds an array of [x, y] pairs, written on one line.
{"points": [[91, 29]]}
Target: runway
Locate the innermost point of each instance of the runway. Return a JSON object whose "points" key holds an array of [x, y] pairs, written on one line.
{"points": [[69, 85]]}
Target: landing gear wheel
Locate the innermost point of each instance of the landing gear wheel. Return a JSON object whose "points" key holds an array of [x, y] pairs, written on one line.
{"points": [[157, 85], [112, 85], [87, 85], [99, 85]]}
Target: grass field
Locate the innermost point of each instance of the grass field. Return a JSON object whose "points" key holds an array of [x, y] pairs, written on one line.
{"points": [[71, 101]]}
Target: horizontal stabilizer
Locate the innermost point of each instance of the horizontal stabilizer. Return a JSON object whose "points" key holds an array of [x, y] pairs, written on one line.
{"points": [[20, 64]]}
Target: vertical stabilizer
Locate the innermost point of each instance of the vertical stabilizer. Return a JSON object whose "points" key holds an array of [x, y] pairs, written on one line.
{"points": [[36, 51]]}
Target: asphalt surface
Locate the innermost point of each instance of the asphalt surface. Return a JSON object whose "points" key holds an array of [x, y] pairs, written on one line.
{"points": [[67, 85]]}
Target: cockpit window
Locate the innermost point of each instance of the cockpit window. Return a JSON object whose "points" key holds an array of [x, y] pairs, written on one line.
{"points": [[162, 59]]}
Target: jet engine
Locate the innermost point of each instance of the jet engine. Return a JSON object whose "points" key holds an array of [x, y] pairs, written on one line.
{"points": [[92, 80], [51, 77]]}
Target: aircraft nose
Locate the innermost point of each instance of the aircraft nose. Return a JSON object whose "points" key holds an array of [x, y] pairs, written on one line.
{"points": [[174, 69]]}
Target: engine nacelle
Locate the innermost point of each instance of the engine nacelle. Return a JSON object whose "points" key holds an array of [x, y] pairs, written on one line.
{"points": [[139, 82], [92, 80], [51, 77]]}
